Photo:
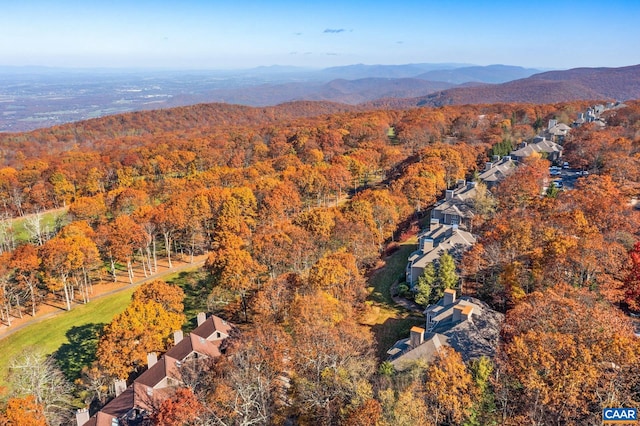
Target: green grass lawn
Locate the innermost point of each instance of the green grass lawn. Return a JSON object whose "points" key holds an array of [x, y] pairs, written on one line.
{"points": [[196, 287], [48, 222], [72, 336], [60, 331], [388, 321]]}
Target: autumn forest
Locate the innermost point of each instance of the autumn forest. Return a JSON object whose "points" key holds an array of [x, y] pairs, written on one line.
{"points": [[296, 210]]}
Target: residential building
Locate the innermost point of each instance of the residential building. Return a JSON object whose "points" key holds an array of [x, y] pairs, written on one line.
{"points": [[132, 405], [498, 169], [457, 206], [465, 324], [548, 149], [556, 131], [440, 238]]}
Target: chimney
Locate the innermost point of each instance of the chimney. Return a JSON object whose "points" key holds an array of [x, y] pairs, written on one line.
{"points": [[523, 144], [448, 194], [82, 416], [506, 158], [202, 317], [460, 183], [457, 313], [552, 123], [434, 224], [449, 296], [495, 158], [416, 337], [152, 358], [488, 165], [466, 313], [471, 184], [177, 336], [427, 244], [119, 386]]}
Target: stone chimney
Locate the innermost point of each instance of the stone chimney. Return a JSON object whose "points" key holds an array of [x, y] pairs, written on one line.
{"points": [[448, 194], [434, 224], [416, 337], [202, 317], [471, 184], [82, 416], [488, 165], [460, 183], [506, 158], [449, 296], [152, 358], [119, 386], [177, 336], [495, 158]]}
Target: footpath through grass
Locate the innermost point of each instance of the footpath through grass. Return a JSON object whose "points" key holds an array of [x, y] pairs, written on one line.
{"points": [[388, 321]]}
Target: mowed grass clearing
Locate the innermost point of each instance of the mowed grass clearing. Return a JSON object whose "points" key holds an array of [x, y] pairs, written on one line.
{"points": [[51, 334], [388, 321], [48, 222]]}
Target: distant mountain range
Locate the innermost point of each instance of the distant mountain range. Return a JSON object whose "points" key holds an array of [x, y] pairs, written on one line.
{"points": [[356, 84], [553, 86], [35, 97]]}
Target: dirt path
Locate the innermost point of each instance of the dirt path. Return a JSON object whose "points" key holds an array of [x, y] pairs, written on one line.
{"points": [[102, 289]]}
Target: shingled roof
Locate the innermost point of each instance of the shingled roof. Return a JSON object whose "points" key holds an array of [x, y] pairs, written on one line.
{"points": [[160, 379]]}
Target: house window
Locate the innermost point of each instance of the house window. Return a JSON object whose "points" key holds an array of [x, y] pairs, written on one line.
{"points": [[115, 422], [455, 219], [149, 391]]}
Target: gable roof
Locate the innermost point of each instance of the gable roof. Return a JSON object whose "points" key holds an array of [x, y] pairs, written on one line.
{"points": [[446, 238], [155, 384], [405, 355], [472, 338], [498, 170]]}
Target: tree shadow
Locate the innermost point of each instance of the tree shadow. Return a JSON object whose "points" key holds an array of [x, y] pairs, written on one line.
{"points": [[80, 351], [197, 286], [392, 330]]}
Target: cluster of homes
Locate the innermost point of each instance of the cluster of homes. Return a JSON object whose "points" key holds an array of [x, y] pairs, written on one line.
{"points": [[132, 405], [464, 323]]}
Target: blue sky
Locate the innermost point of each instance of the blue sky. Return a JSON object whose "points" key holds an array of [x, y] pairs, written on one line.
{"points": [[231, 34]]}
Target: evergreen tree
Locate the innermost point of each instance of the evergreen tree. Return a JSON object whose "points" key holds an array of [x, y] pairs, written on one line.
{"points": [[425, 285], [447, 276]]}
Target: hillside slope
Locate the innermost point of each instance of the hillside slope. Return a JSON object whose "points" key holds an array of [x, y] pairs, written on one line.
{"points": [[548, 87]]}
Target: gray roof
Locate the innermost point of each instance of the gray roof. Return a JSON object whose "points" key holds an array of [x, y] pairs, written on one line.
{"points": [[543, 145], [446, 238], [405, 356], [473, 338], [499, 170]]}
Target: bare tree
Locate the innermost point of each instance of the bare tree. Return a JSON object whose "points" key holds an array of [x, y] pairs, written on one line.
{"points": [[34, 373]]}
